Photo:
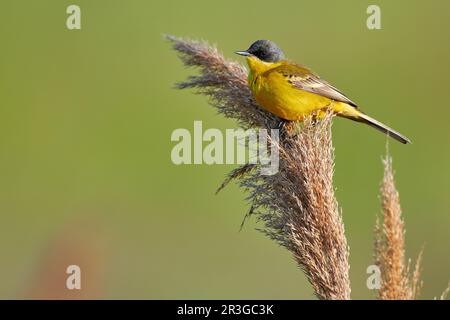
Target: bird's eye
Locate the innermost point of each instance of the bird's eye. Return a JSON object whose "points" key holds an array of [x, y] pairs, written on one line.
{"points": [[261, 54]]}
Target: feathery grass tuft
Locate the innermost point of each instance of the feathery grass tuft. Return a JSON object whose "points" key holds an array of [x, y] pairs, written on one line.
{"points": [[397, 282], [297, 205], [300, 211]]}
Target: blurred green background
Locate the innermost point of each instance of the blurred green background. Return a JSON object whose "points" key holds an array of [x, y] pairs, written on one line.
{"points": [[85, 123]]}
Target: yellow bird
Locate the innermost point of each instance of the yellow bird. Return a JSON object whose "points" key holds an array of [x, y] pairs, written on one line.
{"points": [[291, 91]]}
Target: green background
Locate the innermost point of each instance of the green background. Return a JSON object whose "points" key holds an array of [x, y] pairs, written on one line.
{"points": [[85, 124]]}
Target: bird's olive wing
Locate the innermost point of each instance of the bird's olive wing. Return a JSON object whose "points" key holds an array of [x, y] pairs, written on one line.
{"points": [[304, 79]]}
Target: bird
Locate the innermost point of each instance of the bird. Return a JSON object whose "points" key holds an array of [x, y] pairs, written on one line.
{"points": [[293, 92]]}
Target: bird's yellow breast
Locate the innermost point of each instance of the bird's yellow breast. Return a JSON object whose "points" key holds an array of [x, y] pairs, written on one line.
{"points": [[276, 94]]}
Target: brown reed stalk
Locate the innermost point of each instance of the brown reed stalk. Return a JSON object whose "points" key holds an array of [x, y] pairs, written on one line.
{"points": [[297, 205], [397, 282]]}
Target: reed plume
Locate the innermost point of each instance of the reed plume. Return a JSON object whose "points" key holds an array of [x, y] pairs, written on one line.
{"points": [[296, 206], [397, 282], [300, 211]]}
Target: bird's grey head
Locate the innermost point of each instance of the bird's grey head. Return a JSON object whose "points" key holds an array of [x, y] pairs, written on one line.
{"points": [[264, 50]]}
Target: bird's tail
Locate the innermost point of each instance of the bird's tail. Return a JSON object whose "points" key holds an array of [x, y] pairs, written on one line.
{"points": [[382, 127], [347, 111]]}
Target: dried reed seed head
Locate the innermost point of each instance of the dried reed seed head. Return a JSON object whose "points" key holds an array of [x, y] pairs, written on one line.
{"points": [[397, 281], [297, 205]]}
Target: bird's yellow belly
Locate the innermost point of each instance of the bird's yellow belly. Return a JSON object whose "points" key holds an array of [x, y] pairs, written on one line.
{"points": [[285, 101]]}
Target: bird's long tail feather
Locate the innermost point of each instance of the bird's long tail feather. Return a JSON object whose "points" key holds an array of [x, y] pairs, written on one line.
{"points": [[382, 127]]}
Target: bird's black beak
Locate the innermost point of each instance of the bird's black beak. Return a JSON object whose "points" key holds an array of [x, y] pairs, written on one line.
{"points": [[242, 53]]}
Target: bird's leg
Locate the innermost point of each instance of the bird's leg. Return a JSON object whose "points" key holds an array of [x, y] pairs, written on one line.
{"points": [[319, 114], [280, 124], [287, 129], [315, 117]]}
